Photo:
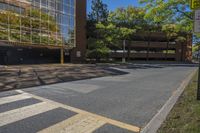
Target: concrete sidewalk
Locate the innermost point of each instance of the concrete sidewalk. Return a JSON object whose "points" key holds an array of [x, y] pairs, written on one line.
{"points": [[24, 76]]}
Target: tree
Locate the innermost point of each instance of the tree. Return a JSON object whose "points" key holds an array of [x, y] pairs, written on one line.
{"points": [[130, 17], [127, 21], [121, 24], [172, 17], [169, 12], [97, 49], [112, 34], [99, 11], [171, 32]]}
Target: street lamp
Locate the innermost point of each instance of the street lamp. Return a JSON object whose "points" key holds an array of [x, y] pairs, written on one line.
{"points": [[124, 52], [198, 88]]}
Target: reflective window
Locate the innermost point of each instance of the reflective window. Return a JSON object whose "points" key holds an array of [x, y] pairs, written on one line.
{"points": [[45, 22]]}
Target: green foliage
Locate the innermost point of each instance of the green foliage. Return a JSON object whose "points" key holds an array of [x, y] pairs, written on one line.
{"points": [[130, 17], [121, 25], [4, 35], [98, 14], [168, 9], [170, 30], [196, 42], [97, 49], [195, 48], [171, 17], [110, 33]]}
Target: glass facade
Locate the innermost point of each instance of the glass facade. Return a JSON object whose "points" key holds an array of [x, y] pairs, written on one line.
{"points": [[39, 22]]}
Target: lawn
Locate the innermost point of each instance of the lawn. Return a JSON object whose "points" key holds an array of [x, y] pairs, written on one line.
{"points": [[185, 116]]}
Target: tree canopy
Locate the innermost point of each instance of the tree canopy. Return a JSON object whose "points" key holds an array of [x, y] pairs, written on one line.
{"points": [[99, 11], [172, 17], [175, 12]]}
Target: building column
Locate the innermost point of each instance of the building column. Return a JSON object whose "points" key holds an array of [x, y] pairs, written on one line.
{"points": [[78, 53], [62, 56], [178, 51]]}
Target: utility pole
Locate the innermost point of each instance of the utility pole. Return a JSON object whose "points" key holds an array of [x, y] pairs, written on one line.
{"points": [[198, 86]]}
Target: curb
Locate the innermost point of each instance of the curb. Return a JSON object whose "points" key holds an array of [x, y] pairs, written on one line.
{"points": [[161, 116]]}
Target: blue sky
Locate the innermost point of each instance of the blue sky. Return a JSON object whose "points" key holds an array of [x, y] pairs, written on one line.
{"points": [[113, 4]]}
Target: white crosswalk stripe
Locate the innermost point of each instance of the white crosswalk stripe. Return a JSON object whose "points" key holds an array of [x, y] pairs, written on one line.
{"points": [[14, 98], [82, 122], [25, 112]]}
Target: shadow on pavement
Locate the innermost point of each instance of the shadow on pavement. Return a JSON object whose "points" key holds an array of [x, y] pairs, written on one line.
{"points": [[18, 77], [150, 66]]}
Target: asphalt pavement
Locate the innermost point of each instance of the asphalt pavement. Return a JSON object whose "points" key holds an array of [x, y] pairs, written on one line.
{"points": [[112, 104]]}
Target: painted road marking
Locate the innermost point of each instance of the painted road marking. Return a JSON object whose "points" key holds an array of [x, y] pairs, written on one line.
{"points": [[14, 98], [113, 79], [86, 125], [79, 111], [25, 112], [21, 109], [62, 125], [77, 124], [82, 88]]}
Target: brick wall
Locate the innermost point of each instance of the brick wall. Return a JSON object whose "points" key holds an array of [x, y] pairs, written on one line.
{"points": [[78, 53]]}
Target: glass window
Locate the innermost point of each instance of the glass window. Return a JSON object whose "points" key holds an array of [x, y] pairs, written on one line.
{"points": [[47, 22]]}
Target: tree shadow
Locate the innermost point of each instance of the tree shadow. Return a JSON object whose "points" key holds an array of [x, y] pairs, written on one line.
{"points": [[21, 77]]}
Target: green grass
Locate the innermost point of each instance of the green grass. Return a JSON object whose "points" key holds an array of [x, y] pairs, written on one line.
{"points": [[185, 116]]}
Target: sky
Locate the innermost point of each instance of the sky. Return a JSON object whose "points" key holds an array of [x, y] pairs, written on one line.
{"points": [[113, 4]]}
